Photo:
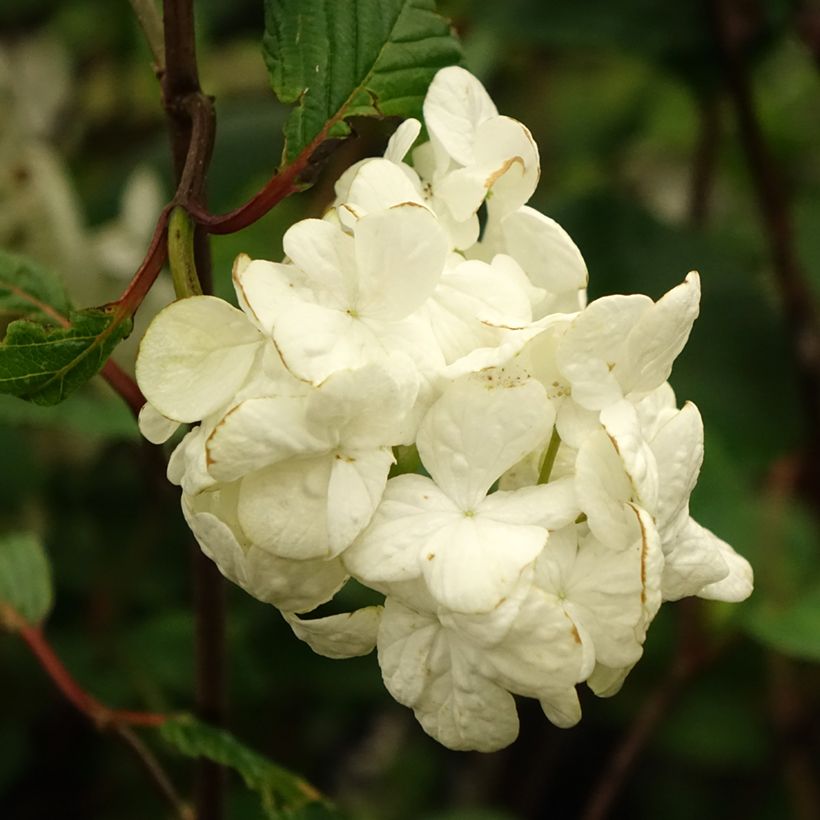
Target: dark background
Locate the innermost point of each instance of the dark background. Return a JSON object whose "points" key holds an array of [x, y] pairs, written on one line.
{"points": [[634, 105]]}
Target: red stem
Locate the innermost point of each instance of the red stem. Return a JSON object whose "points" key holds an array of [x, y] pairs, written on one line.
{"points": [[99, 714]]}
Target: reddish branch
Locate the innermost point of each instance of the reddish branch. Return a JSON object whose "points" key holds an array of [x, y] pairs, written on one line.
{"points": [[102, 716]]}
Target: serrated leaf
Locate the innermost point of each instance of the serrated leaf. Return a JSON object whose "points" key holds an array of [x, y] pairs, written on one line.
{"points": [[46, 364], [346, 58], [282, 793], [25, 578], [27, 290]]}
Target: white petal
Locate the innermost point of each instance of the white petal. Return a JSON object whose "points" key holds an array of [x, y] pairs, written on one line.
{"points": [[154, 426], [367, 406], [283, 508], [464, 710], [400, 255], [380, 184], [194, 356], [658, 337], [678, 448], [563, 709], [603, 489], [405, 639], [544, 250], [316, 341], [294, 586], [325, 254], [348, 635], [412, 512], [262, 431], [620, 420], [542, 653], [606, 681], [593, 345], [357, 481], [693, 560], [507, 147], [455, 105], [265, 289], [402, 140], [737, 585], [552, 505], [575, 423], [473, 564], [478, 429]]}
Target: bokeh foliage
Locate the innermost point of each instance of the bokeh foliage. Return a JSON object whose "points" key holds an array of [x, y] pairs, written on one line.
{"points": [[642, 164]]}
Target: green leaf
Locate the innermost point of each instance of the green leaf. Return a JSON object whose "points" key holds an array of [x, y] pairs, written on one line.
{"points": [[46, 364], [283, 794], [27, 290], [25, 578], [794, 629], [334, 60]]}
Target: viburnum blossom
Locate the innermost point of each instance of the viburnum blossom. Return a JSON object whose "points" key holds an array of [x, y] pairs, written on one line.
{"points": [[551, 516]]}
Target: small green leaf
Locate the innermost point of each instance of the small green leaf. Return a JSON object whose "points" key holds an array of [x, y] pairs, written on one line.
{"points": [[46, 364], [25, 578], [372, 58], [27, 290], [282, 793], [794, 629]]}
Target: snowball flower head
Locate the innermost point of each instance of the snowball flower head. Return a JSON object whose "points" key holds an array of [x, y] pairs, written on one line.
{"points": [[538, 515]]}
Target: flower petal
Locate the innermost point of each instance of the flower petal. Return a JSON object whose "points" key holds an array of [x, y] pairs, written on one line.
{"points": [[455, 105], [195, 356], [474, 563], [348, 635], [154, 426], [480, 427], [412, 512], [283, 508], [400, 254], [659, 336], [552, 505], [357, 482], [262, 431]]}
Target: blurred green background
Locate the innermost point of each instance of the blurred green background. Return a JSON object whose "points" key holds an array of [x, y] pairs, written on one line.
{"points": [[642, 164]]}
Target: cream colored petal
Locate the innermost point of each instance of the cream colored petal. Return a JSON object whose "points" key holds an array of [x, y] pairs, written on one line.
{"points": [[194, 356], [348, 635]]}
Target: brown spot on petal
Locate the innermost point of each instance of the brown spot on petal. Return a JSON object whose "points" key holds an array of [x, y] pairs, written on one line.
{"points": [[209, 459], [430, 556], [496, 175], [644, 548]]}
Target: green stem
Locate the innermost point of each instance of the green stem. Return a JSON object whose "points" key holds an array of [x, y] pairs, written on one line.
{"points": [[181, 254], [549, 457]]}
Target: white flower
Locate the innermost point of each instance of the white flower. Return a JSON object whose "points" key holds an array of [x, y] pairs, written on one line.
{"points": [[469, 546], [347, 301]]}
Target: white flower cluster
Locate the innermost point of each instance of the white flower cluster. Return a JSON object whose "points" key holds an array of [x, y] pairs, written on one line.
{"points": [[553, 517]]}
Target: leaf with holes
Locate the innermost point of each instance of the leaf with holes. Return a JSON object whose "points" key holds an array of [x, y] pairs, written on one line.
{"points": [[25, 579], [45, 364], [29, 291], [346, 58], [283, 794]]}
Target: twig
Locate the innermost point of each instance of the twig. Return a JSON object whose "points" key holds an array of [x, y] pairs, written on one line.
{"points": [[192, 128], [790, 278], [104, 718], [101, 716], [155, 771], [124, 385], [705, 160], [148, 16]]}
